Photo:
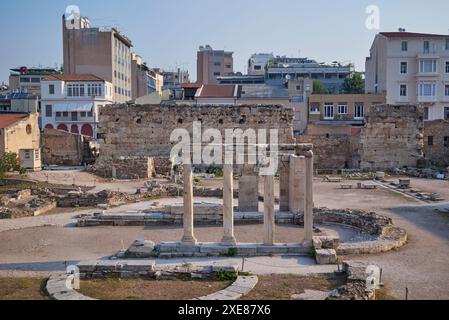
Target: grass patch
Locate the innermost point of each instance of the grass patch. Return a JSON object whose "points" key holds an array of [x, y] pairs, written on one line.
{"points": [[121, 289], [23, 289]]}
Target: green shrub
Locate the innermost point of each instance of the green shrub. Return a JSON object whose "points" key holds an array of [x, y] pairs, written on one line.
{"points": [[9, 162], [312, 252], [232, 252], [222, 275]]}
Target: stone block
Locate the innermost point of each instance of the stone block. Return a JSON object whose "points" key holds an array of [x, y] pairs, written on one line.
{"points": [[326, 256], [276, 249]]}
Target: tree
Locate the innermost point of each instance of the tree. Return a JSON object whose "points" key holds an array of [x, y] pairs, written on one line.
{"points": [[9, 162], [354, 84], [318, 87]]}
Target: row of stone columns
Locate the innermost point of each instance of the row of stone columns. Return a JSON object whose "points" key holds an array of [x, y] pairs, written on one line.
{"points": [[297, 175]]}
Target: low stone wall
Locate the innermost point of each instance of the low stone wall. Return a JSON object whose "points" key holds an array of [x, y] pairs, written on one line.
{"points": [[125, 168], [60, 287]]}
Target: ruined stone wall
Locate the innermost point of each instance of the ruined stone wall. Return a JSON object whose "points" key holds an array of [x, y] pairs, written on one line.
{"points": [[63, 148], [144, 130], [392, 137], [438, 152], [335, 147]]}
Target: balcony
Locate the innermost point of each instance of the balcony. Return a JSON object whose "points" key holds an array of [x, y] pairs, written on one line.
{"points": [[427, 99]]}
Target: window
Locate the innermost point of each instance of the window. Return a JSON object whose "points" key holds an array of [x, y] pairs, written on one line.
{"points": [[75, 90], [51, 89], [65, 114], [228, 66], [447, 67], [428, 65], [446, 90], [257, 67], [404, 46], [427, 90], [404, 68], [342, 108], [25, 80], [430, 140], [447, 44], [37, 154], [94, 90], [403, 90], [446, 113], [329, 111], [48, 110], [58, 114], [83, 114], [314, 107], [426, 46], [359, 111], [446, 142], [90, 114], [217, 64], [27, 154], [29, 129], [74, 116], [217, 74]]}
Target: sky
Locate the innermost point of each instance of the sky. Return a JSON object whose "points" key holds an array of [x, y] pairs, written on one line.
{"points": [[167, 33]]}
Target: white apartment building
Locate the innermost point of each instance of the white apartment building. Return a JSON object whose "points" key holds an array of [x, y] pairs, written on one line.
{"points": [[411, 68], [71, 102]]}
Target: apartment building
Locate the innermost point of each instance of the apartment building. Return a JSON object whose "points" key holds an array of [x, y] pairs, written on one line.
{"points": [[347, 109], [212, 64], [332, 76], [173, 79], [411, 68], [28, 80], [144, 80], [20, 102], [258, 62], [103, 52], [20, 134], [72, 102]]}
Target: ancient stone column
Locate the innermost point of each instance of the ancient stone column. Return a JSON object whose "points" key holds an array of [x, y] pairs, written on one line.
{"points": [[269, 214], [248, 189], [188, 239], [284, 184], [308, 201], [228, 206], [296, 184]]}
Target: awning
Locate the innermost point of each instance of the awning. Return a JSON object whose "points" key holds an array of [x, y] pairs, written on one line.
{"points": [[72, 107]]}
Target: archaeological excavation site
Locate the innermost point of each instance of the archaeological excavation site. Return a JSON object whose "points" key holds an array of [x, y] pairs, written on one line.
{"points": [[264, 210]]}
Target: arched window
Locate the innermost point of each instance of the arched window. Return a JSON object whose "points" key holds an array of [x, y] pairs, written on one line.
{"points": [[49, 126], [63, 127], [74, 129], [87, 130]]}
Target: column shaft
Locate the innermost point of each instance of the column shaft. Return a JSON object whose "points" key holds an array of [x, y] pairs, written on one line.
{"points": [[308, 203], [188, 218], [269, 214], [228, 206]]}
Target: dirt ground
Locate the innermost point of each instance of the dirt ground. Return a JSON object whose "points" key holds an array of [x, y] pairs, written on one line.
{"points": [[23, 289], [282, 287], [422, 266], [117, 289]]}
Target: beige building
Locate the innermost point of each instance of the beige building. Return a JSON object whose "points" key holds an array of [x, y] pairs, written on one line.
{"points": [[212, 64], [144, 81], [411, 68], [105, 53], [347, 108], [20, 134]]}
